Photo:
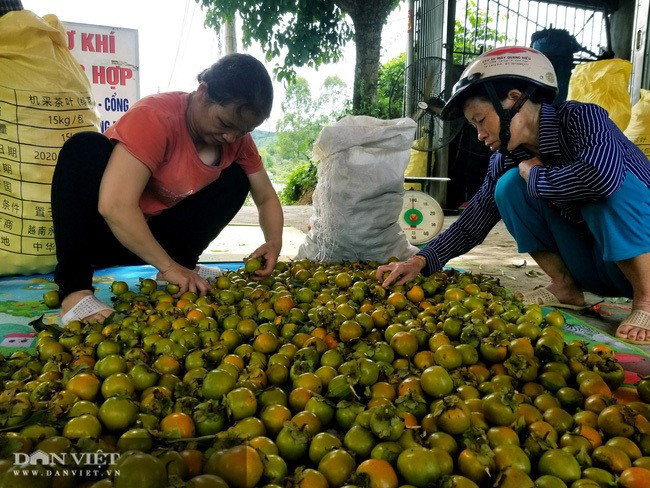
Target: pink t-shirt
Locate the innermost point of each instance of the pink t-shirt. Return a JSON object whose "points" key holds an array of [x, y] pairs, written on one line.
{"points": [[154, 130]]}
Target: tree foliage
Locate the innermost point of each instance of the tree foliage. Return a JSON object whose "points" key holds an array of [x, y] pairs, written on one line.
{"points": [[296, 33], [311, 33], [305, 115], [389, 96], [468, 35], [300, 185]]}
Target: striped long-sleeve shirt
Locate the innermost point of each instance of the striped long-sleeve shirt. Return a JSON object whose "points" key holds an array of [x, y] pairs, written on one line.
{"points": [[585, 157]]}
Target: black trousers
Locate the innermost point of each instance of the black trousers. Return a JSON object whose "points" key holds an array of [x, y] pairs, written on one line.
{"points": [[83, 238]]}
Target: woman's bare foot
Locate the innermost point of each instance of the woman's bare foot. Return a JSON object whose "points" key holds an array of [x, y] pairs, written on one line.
{"points": [[570, 296], [562, 286], [553, 295], [73, 299], [635, 327]]}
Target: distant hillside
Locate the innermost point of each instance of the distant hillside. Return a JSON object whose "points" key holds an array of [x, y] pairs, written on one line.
{"points": [[263, 138]]}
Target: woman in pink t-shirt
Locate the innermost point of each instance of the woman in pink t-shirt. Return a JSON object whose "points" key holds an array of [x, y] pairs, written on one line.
{"points": [[161, 183]]}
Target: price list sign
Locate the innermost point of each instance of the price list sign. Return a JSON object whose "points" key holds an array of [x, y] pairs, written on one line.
{"points": [[110, 58]]}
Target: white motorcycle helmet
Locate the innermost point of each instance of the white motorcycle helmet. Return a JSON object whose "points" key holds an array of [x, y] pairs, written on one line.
{"points": [[524, 66]]}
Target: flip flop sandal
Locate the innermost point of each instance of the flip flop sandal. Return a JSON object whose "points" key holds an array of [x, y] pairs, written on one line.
{"points": [[640, 319], [543, 297], [209, 272], [86, 307]]}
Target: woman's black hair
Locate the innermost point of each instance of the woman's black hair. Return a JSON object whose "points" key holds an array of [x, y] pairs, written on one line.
{"points": [[7, 6], [240, 79]]}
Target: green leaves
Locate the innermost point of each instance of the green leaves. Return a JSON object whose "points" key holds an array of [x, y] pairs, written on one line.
{"points": [[310, 33], [305, 32]]}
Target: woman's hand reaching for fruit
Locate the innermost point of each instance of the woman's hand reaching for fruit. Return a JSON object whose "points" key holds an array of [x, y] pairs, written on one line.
{"points": [[186, 279], [400, 272]]}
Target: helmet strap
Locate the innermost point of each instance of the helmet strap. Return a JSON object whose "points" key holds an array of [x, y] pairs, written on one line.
{"points": [[505, 116]]}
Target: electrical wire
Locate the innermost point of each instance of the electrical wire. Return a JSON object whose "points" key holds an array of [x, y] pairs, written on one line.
{"points": [[181, 41]]}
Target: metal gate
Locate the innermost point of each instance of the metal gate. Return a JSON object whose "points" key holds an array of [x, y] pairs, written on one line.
{"points": [[460, 30], [480, 25]]}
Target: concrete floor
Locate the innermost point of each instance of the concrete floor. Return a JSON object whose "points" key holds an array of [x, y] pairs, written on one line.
{"points": [[496, 256]]}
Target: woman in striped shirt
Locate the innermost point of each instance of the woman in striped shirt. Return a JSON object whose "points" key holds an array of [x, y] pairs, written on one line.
{"points": [[571, 188]]}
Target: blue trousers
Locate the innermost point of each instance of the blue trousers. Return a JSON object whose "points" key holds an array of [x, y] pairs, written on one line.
{"points": [[616, 229]]}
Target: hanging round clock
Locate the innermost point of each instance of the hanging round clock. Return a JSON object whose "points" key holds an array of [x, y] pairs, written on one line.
{"points": [[422, 217]]}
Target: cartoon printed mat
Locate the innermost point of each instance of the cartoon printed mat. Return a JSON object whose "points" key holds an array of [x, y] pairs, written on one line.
{"points": [[634, 360], [21, 301]]}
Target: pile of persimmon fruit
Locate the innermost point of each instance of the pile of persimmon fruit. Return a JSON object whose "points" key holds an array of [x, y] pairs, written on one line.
{"points": [[316, 376]]}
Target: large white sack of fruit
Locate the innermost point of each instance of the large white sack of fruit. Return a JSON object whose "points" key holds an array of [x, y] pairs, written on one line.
{"points": [[360, 189]]}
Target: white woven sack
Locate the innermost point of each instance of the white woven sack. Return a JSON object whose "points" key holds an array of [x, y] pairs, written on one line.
{"points": [[358, 198]]}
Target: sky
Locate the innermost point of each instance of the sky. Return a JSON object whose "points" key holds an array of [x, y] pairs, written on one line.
{"points": [[175, 46]]}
